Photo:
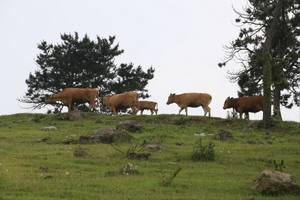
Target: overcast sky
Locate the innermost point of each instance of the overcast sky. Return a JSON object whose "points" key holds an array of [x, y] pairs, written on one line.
{"points": [[182, 40]]}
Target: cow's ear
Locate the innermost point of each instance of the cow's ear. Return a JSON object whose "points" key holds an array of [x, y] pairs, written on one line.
{"points": [[231, 98], [173, 94]]}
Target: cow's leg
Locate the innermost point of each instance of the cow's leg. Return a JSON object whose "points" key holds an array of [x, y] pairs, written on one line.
{"points": [[186, 111], [241, 115], [115, 111], [92, 106], [180, 110], [206, 110], [134, 110], [73, 107], [151, 111], [70, 106], [142, 110], [156, 111], [246, 115]]}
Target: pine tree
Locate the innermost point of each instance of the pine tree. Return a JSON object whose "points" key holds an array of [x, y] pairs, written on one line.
{"points": [[255, 23], [82, 63]]}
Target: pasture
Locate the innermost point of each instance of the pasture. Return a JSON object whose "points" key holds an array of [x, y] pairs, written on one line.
{"points": [[36, 164]]}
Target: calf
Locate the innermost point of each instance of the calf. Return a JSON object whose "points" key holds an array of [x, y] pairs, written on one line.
{"points": [[146, 105]]}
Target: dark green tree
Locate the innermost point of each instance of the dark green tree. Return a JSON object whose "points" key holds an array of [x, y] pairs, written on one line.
{"points": [[255, 24], [82, 63]]}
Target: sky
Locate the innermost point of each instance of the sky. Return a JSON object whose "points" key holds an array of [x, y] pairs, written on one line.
{"points": [[182, 40]]}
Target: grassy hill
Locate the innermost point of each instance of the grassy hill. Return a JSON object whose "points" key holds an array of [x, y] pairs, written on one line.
{"points": [[36, 164]]}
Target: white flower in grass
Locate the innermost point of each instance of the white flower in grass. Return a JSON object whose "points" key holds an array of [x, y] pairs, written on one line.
{"points": [[67, 173]]}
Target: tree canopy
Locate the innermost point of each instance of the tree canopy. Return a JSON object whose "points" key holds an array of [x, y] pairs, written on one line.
{"points": [[255, 23], [83, 63]]}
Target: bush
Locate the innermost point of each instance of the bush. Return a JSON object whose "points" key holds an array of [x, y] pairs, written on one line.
{"points": [[203, 153]]}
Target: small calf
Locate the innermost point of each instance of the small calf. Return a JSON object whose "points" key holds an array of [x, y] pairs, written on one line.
{"points": [[146, 105]]}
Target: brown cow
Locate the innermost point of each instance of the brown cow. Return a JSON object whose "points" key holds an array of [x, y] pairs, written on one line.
{"points": [[245, 104], [193, 100], [146, 105], [120, 101], [71, 96]]}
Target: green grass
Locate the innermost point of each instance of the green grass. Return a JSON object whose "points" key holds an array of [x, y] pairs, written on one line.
{"points": [[24, 158]]}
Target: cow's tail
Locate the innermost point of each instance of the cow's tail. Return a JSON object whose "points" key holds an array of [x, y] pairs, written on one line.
{"points": [[210, 99]]}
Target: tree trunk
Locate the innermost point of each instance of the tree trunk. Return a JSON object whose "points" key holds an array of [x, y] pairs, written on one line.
{"points": [[276, 103], [267, 75]]}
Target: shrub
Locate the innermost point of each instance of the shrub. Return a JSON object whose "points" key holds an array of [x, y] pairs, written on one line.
{"points": [[80, 152], [203, 153]]}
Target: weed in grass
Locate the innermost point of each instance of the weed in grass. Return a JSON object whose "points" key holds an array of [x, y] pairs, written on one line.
{"points": [[203, 153], [232, 114], [97, 176], [178, 121], [80, 152], [132, 151], [278, 167], [167, 181], [37, 119]]}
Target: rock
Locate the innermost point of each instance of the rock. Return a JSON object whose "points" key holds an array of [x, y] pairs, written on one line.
{"points": [[68, 141], [72, 115], [103, 135], [76, 115], [128, 169], [200, 134], [46, 139], [153, 147], [276, 183], [129, 125], [224, 135], [49, 128], [138, 155]]}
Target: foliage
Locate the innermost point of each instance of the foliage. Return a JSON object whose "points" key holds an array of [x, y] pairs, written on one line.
{"points": [[167, 181], [132, 151], [31, 169], [232, 114], [83, 63], [203, 153], [255, 22], [278, 167], [80, 152]]}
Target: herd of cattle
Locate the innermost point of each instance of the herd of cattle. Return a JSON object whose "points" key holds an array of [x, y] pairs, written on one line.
{"points": [[75, 96]]}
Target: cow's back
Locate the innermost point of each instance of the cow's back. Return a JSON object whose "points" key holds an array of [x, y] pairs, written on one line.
{"points": [[123, 100], [80, 95], [195, 99], [252, 104], [146, 104]]}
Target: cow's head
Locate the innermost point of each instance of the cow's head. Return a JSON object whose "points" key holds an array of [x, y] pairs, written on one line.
{"points": [[228, 103], [51, 99], [105, 99], [171, 98]]}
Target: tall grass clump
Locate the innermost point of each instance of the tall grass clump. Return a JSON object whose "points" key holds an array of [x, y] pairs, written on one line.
{"points": [[167, 181], [203, 152], [232, 114]]}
